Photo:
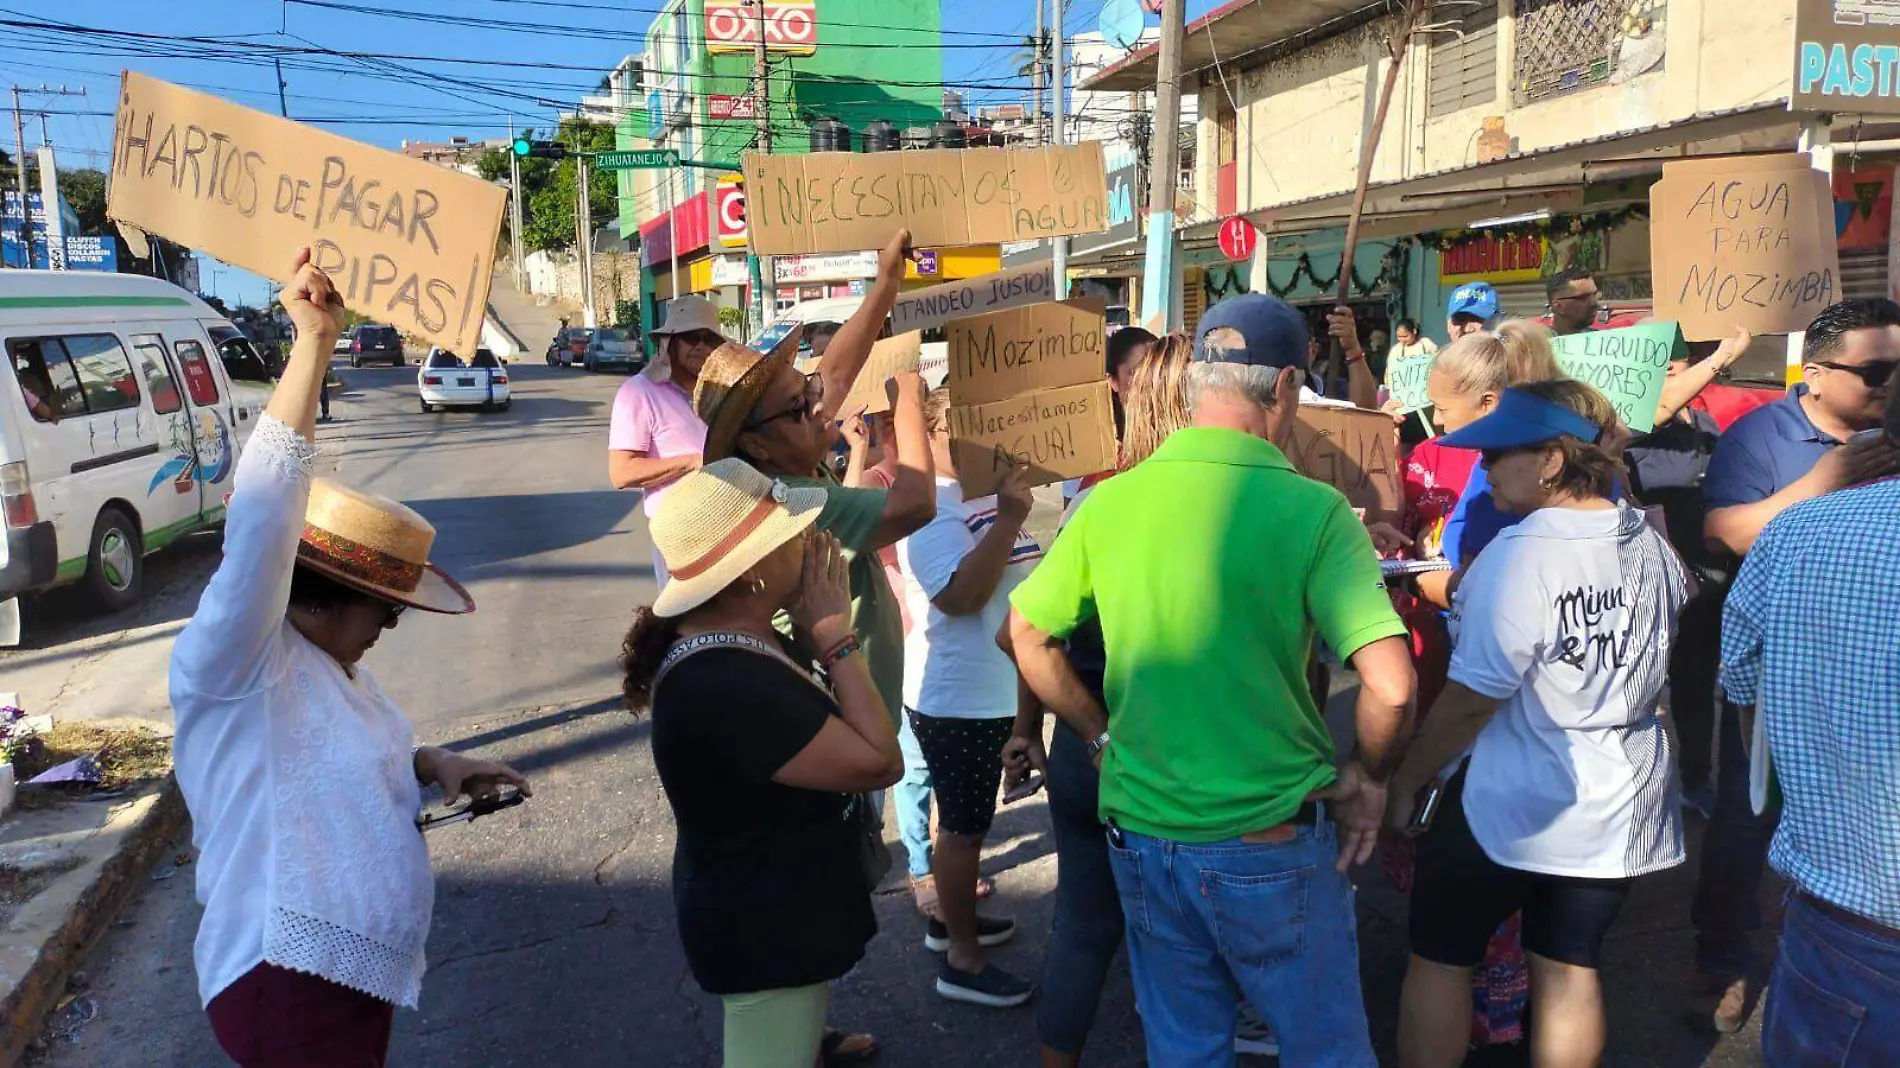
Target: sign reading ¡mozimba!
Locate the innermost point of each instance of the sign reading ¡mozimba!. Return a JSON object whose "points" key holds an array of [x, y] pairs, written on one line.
{"points": [[1040, 346], [406, 242], [844, 201]]}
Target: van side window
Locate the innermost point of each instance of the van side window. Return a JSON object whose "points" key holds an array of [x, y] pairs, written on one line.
{"points": [[104, 371], [199, 382], [46, 378], [158, 379]]}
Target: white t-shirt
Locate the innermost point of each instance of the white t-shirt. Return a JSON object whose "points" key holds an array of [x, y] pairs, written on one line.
{"points": [[1568, 618], [952, 667]]}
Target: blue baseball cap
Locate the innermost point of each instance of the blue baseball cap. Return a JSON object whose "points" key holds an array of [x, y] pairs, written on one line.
{"points": [[1522, 419], [1473, 298], [1275, 334]]}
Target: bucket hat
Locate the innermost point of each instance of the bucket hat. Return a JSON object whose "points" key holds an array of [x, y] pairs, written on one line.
{"points": [[683, 316], [717, 522], [376, 546], [730, 384]]}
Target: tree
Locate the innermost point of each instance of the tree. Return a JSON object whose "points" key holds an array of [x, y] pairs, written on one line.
{"points": [[85, 190], [548, 187]]}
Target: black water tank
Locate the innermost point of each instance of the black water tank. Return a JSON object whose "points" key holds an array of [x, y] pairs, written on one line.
{"points": [[947, 135], [830, 135], [882, 136]]}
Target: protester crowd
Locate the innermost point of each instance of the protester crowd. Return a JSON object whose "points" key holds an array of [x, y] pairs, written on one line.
{"points": [[1597, 622]]}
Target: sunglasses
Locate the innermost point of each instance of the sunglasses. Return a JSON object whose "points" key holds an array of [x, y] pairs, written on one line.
{"points": [[1875, 375], [1493, 457], [799, 409]]}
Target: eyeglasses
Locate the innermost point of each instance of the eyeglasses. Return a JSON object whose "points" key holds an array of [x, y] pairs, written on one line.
{"points": [[1875, 375], [393, 613], [801, 408], [701, 339]]}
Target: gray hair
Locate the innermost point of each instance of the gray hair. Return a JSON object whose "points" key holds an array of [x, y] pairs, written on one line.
{"points": [[1238, 381]]}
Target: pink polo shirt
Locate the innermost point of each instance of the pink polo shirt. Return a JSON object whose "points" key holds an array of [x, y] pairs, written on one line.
{"points": [[655, 419]]}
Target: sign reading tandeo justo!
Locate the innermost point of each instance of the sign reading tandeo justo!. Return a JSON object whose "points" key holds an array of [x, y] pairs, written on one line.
{"points": [[407, 243], [844, 202]]}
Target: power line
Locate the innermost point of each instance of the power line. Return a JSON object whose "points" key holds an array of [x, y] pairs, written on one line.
{"points": [[570, 5]]}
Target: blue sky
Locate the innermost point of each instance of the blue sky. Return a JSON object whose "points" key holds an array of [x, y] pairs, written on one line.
{"points": [[388, 105]]}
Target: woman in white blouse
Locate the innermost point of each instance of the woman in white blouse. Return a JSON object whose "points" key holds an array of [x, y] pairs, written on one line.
{"points": [[302, 776]]}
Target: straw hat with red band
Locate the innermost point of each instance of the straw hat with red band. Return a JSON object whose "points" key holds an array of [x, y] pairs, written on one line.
{"points": [[377, 546], [717, 522], [730, 384]]}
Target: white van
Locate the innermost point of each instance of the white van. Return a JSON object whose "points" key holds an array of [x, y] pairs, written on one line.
{"points": [[936, 354], [119, 427]]}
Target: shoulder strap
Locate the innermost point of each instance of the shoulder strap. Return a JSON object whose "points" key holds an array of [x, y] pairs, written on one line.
{"points": [[726, 639]]}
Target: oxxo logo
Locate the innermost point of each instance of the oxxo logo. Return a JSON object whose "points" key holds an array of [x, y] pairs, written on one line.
{"points": [[790, 26], [729, 213]]}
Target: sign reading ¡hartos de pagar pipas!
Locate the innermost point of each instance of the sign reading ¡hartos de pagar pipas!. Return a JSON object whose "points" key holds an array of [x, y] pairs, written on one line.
{"points": [[406, 242], [844, 201]]}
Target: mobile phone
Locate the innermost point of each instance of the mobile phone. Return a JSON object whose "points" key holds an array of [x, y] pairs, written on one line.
{"points": [[1028, 788], [1426, 809], [481, 806]]}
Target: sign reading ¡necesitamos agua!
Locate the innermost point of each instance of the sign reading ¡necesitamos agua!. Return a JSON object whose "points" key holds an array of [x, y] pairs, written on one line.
{"points": [[407, 242]]}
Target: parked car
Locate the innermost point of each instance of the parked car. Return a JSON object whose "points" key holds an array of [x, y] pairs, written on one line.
{"points": [[119, 428], [445, 381], [341, 347], [372, 342], [569, 347], [613, 349]]}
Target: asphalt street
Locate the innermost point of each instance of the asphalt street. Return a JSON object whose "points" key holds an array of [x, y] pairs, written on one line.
{"points": [[554, 942]]}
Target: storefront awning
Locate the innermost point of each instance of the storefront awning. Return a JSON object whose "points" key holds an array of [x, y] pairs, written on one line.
{"points": [[1229, 32]]}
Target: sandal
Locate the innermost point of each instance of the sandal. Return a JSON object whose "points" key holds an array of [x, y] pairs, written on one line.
{"points": [[923, 892], [833, 1049]]}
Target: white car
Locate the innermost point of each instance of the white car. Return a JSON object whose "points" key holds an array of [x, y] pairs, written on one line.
{"points": [[341, 347], [445, 381]]}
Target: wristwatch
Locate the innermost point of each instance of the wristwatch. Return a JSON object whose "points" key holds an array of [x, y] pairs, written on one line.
{"points": [[1099, 744]]}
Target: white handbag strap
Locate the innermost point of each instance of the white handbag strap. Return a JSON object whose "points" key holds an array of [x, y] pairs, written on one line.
{"points": [[728, 639]]}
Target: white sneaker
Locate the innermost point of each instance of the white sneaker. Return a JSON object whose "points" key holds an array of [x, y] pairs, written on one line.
{"points": [[1253, 1035]]}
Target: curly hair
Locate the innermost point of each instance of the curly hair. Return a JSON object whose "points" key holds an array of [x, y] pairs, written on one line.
{"points": [[641, 651], [1589, 470], [1156, 401]]}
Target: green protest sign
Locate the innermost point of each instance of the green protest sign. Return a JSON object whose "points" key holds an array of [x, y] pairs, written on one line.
{"points": [[1628, 366], [1405, 378]]}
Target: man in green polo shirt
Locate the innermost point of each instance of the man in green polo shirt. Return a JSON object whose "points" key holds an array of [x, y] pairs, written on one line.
{"points": [[1212, 567]]}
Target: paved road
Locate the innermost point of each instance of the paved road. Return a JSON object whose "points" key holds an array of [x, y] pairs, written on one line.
{"points": [[554, 943]]}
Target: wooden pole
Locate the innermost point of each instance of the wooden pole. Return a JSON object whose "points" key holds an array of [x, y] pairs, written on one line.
{"points": [[1369, 146]]}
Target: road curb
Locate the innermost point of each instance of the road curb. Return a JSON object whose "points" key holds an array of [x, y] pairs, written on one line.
{"points": [[44, 945]]}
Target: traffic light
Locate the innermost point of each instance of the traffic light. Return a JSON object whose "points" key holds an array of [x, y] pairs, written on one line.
{"points": [[527, 149]]}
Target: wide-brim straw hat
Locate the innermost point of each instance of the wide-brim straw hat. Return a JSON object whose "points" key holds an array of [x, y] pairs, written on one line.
{"points": [[377, 546], [683, 316], [717, 522], [730, 384]]}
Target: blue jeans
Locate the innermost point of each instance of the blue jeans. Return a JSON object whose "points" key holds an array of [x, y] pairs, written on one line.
{"points": [[1088, 927], [1834, 997], [1727, 908], [1209, 925], [912, 794]]}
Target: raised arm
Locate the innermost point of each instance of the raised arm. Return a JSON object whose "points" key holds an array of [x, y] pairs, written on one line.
{"points": [[1361, 388], [912, 500], [228, 645], [1680, 389], [851, 345]]}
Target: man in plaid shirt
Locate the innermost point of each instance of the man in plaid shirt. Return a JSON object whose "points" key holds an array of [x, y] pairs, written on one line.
{"points": [[1811, 632]]}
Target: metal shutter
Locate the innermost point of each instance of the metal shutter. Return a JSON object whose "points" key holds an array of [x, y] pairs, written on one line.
{"points": [[1522, 300], [1864, 272], [1464, 70]]}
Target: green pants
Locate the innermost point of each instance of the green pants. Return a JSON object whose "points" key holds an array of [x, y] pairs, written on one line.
{"points": [[776, 1028]]}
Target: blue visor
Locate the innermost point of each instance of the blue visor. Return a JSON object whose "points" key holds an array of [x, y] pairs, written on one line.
{"points": [[1522, 419]]}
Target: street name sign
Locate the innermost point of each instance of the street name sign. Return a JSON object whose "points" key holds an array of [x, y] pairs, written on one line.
{"points": [[637, 159]]}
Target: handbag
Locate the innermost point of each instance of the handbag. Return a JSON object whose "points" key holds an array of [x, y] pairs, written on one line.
{"points": [[867, 823]]}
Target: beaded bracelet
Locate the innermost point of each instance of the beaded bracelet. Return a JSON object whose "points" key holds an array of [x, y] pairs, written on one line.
{"points": [[838, 652]]}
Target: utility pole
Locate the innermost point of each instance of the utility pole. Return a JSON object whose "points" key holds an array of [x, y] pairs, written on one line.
{"points": [[764, 275], [514, 209], [1164, 166], [1058, 112], [584, 214], [283, 104], [19, 160], [1035, 72]]}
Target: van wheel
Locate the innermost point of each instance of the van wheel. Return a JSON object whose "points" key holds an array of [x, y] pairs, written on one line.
{"points": [[115, 568]]}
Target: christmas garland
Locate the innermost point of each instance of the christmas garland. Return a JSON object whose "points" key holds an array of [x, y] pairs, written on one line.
{"points": [[1392, 267], [1559, 226]]}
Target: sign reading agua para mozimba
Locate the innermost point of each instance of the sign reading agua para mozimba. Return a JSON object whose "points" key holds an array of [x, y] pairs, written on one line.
{"points": [[844, 201], [406, 242]]}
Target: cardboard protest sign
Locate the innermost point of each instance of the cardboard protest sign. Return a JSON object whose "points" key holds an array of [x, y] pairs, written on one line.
{"points": [[1041, 346], [927, 309], [1405, 376], [1743, 241], [847, 201], [1060, 433], [890, 357], [1628, 366], [1353, 450], [406, 242]]}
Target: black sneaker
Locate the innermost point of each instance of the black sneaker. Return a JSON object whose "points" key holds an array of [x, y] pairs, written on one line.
{"points": [[992, 987], [989, 932]]}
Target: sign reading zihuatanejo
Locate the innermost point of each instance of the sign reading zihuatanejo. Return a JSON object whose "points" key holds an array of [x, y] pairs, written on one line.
{"points": [[844, 201], [1061, 433], [927, 309], [1742, 241], [1627, 366], [407, 243], [1041, 346]]}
